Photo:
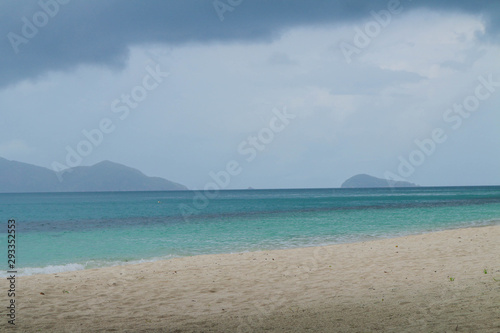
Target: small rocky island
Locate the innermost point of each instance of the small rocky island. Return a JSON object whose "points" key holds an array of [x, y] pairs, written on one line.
{"points": [[367, 181]]}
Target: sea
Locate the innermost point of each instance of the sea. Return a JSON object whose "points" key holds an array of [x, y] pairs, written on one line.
{"points": [[57, 232]]}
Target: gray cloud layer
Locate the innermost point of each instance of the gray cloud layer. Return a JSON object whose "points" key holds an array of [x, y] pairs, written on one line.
{"points": [[100, 32]]}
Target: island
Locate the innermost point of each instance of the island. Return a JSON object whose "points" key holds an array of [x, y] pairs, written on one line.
{"points": [[367, 181], [105, 176]]}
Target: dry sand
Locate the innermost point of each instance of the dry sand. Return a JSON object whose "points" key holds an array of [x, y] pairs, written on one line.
{"points": [[392, 285]]}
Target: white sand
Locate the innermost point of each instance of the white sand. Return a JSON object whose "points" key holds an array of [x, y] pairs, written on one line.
{"points": [[392, 285]]}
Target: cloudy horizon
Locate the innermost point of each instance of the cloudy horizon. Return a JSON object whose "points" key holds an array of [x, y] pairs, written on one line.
{"points": [[299, 94]]}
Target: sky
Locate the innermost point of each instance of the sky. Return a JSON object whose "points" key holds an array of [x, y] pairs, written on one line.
{"points": [[255, 93]]}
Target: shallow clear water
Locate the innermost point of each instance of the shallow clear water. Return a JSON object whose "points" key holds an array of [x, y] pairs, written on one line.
{"points": [[68, 231]]}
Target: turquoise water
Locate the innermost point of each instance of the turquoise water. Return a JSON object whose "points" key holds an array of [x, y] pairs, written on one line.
{"points": [[69, 231]]}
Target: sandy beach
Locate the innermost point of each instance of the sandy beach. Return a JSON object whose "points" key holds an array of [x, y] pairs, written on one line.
{"points": [[445, 281]]}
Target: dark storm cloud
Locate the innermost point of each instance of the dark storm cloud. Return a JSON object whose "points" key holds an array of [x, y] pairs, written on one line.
{"points": [[101, 31]]}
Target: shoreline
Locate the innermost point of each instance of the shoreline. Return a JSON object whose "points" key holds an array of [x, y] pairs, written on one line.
{"points": [[115, 263], [431, 281]]}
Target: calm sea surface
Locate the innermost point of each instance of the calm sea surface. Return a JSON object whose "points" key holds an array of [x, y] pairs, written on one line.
{"points": [[69, 231]]}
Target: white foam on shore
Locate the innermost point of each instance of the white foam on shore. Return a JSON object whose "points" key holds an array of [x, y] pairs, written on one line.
{"points": [[53, 269]]}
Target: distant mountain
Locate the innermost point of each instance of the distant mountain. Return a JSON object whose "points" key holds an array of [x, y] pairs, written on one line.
{"points": [[367, 181], [101, 177], [23, 177]]}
